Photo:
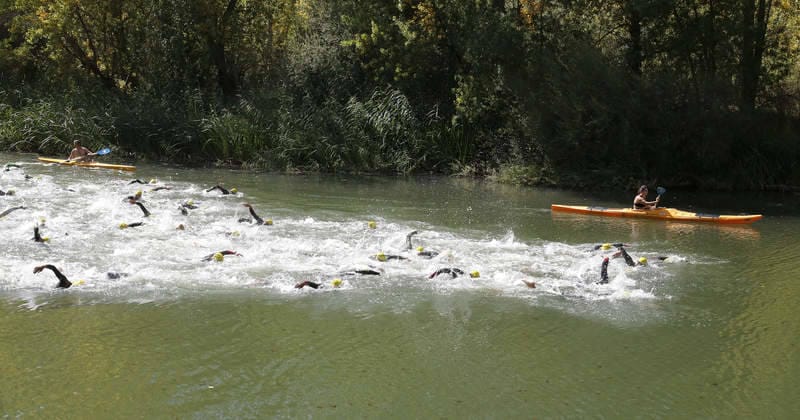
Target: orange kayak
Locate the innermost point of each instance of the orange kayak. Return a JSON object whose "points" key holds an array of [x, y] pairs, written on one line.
{"points": [[664, 213], [88, 164]]}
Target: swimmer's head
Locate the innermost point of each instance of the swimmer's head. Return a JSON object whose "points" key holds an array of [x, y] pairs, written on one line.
{"points": [[79, 282], [605, 247], [336, 283], [181, 227], [268, 222], [643, 261], [10, 192], [372, 225], [474, 274], [153, 181], [123, 225], [189, 202], [420, 249], [138, 194], [218, 257], [380, 256], [234, 191], [46, 239]]}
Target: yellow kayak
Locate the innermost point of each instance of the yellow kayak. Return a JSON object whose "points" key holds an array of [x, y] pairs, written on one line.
{"points": [[664, 213], [88, 164]]}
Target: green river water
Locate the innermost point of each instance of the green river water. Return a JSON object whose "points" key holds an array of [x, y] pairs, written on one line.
{"points": [[710, 332]]}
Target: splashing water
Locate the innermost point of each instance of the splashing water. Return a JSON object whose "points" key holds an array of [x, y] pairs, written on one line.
{"points": [[163, 258]]}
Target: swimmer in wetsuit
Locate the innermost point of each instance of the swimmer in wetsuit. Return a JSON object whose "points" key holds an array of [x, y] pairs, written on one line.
{"points": [[222, 190], [141, 206], [454, 272], [37, 237], [9, 210], [210, 257], [604, 271], [383, 257], [259, 220], [127, 225], [9, 192], [314, 285], [420, 251], [63, 282]]}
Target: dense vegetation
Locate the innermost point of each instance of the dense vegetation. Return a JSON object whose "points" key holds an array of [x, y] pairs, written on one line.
{"points": [[688, 92]]}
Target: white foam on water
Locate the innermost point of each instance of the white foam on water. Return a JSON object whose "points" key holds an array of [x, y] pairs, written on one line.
{"points": [[157, 261]]}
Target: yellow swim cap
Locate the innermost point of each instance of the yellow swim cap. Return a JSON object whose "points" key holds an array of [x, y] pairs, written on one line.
{"points": [[475, 274], [234, 191], [46, 239], [79, 282], [606, 246], [420, 249], [371, 224], [336, 283], [643, 261], [189, 202], [123, 225], [381, 256], [268, 222], [153, 180], [218, 257]]}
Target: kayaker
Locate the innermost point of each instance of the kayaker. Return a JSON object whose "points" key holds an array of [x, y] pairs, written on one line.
{"points": [[80, 153], [640, 201]]}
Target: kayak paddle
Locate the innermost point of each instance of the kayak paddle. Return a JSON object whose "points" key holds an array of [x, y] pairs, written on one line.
{"points": [[102, 152], [661, 191]]}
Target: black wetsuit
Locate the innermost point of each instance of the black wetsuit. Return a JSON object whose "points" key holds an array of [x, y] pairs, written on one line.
{"points": [[36, 236], [221, 189], [209, 257], [363, 272], [63, 282], [454, 272], [259, 220], [604, 271], [9, 210], [144, 209], [628, 259], [308, 283], [136, 224], [410, 246]]}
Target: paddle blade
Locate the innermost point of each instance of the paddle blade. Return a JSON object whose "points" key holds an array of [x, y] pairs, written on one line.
{"points": [[103, 151], [661, 190]]}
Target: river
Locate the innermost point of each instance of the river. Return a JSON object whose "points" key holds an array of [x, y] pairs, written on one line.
{"points": [[710, 331]]}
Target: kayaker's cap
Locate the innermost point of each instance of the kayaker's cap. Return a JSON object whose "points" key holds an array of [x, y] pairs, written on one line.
{"points": [[643, 260]]}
